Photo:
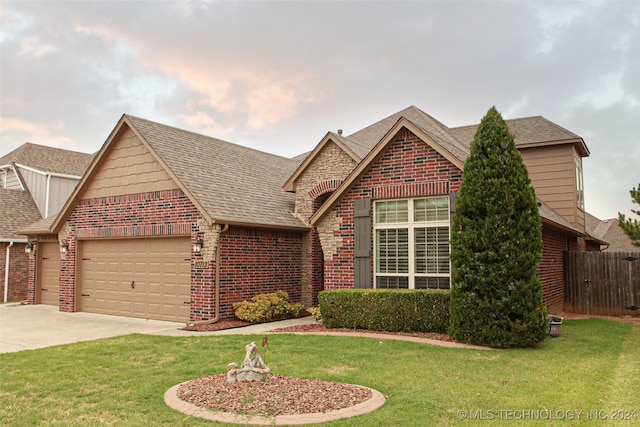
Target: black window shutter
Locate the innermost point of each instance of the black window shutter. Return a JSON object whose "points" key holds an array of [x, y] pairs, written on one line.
{"points": [[362, 243]]}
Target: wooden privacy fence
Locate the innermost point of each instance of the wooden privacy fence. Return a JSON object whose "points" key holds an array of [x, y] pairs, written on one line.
{"points": [[605, 283]]}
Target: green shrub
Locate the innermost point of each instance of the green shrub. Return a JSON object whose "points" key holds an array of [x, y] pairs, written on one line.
{"points": [[264, 307], [386, 310]]}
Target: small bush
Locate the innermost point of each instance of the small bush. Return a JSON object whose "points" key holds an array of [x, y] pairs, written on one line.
{"points": [[265, 307], [386, 310], [316, 314]]}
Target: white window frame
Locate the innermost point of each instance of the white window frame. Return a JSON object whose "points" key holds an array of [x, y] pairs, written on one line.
{"points": [[411, 225], [579, 185]]}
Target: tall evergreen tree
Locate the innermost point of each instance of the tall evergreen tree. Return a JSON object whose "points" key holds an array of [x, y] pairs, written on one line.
{"points": [[630, 226], [496, 242]]}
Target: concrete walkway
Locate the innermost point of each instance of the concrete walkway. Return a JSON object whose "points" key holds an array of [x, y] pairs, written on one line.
{"points": [[28, 327]]}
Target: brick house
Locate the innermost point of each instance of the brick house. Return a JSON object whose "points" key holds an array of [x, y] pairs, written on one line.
{"points": [[35, 182], [168, 224]]}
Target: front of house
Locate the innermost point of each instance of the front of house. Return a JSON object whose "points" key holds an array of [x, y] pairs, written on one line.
{"points": [[171, 225]]}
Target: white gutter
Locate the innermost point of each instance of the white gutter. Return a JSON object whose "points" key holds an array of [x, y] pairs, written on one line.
{"points": [[41, 172], [6, 273]]}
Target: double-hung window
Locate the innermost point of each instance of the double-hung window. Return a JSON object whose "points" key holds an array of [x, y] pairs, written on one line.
{"points": [[412, 243]]}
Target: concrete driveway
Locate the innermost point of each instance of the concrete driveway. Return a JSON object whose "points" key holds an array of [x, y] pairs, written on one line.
{"points": [[27, 327]]}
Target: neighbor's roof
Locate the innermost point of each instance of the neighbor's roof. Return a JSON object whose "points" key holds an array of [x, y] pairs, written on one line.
{"points": [[17, 210], [49, 159], [609, 231]]}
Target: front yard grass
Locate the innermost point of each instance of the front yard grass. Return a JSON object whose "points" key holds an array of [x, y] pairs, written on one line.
{"points": [[593, 366]]}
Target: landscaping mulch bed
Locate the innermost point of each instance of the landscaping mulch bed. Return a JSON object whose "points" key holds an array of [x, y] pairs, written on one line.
{"points": [[320, 328], [278, 395]]}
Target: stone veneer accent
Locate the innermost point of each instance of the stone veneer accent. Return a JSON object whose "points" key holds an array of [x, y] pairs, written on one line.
{"points": [[321, 177]]}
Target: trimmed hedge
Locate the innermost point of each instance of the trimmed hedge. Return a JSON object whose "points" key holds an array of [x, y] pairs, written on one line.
{"points": [[386, 310]]}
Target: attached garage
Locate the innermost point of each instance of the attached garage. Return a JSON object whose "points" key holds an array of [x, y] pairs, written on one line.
{"points": [[48, 287], [148, 278]]}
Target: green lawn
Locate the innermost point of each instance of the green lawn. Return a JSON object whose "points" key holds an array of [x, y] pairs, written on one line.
{"points": [[594, 366]]}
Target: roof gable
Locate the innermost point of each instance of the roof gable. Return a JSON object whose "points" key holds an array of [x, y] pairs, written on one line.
{"points": [[359, 144], [343, 143], [127, 167], [228, 183], [377, 152]]}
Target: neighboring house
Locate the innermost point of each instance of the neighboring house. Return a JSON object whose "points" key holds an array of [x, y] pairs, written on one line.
{"points": [[610, 232], [35, 182], [173, 225]]}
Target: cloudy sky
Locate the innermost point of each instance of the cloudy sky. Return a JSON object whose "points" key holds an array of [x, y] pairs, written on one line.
{"points": [[277, 75]]}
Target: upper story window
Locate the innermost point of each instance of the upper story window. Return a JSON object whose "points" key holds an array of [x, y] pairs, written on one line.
{"points": [[412, 243], [579, 185]]}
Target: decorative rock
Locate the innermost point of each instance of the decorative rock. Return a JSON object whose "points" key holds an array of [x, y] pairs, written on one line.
{"points": [[252, 369]]}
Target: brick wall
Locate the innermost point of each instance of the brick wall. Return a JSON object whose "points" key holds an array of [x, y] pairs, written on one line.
{"points": [[256, 261], [158, 213], [551, 268], [407, 168], [18, 272], [253, 261]]}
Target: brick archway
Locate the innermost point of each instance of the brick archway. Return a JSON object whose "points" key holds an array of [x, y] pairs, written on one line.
{"points": [[324, 188], [319, 194]]}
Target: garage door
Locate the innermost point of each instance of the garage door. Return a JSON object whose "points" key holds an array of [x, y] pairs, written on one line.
{"points": [[147, 278], [49, 273]]}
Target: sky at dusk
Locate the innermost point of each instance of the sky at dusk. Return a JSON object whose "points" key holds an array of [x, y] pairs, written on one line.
{"points": [[277, 75]]}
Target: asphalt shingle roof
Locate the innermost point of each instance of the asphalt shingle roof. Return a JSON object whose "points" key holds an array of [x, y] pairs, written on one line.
{"points": [[609, 231], [17, 210], [371, 135], [49, 159], [527, 130], [232, 183]]}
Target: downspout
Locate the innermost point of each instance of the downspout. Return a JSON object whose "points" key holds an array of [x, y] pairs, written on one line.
{"points": [[216, 318], [6, 272]]}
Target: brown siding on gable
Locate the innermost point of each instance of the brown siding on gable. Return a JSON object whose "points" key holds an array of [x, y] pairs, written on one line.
{"points": [[552, 170], [129, 168]]}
